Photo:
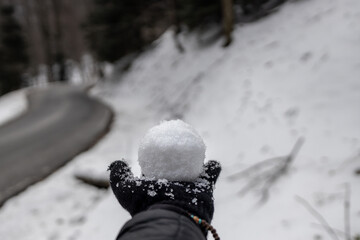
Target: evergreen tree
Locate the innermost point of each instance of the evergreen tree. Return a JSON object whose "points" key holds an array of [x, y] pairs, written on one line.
{"points": [[113, 29], [197, 13], [13, 56], [253, 10], [201, 13]]}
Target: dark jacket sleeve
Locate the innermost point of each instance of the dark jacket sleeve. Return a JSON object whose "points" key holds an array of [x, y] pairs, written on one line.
{"points": [[160, 224]]}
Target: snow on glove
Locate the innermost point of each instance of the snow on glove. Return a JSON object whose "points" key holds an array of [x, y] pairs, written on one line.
{"points": [[138, 194]]}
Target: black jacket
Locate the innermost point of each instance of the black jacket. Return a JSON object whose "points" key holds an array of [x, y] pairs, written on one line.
{"points": [[161, 224]]}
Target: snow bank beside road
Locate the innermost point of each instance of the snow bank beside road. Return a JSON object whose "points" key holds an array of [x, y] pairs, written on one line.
{"points": [[12, 105]]}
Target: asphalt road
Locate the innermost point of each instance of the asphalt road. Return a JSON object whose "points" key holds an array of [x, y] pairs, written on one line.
{"points": [[60, 123]]}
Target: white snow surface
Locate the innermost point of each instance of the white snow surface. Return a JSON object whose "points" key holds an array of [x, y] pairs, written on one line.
{"points": [[172, 150], [294, 74], [12, 105]]}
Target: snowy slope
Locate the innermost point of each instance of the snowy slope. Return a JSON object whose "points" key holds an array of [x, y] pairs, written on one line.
{"points": [[294, 74]]}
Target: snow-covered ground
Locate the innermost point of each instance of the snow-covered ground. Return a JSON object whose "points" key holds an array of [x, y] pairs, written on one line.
{"points": [[12, 105], [294, 74]]}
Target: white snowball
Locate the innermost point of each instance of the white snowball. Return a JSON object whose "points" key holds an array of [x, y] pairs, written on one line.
{"points": [[172, 150]]}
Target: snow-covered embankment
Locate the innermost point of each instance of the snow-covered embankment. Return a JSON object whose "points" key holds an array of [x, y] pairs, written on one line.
{"points": [[12, 105]]}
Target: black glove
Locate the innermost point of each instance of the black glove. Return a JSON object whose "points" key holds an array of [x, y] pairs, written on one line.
{"points": [[138, 194]]}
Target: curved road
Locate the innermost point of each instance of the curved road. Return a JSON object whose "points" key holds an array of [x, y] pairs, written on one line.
{"points": [[60, 123]]}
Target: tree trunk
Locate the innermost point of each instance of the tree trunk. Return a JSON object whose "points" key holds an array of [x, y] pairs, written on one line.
{"points": [[176, 22], [30, 36], [59, 53], [228, 20], [44, 19]]}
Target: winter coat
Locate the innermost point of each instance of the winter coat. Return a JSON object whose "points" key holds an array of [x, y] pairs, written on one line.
{"points": [[161, 223]]}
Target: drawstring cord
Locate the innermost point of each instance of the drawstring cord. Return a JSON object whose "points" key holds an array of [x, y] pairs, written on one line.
{"points": [[206, 225]]}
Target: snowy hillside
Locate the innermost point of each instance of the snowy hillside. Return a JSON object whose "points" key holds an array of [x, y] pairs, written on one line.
{"points": [[294, 74]]}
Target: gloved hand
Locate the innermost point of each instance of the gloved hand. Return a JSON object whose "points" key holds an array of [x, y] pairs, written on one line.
{"points": [[138, 194]]}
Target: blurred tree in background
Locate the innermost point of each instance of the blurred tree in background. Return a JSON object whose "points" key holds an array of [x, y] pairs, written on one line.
{"points": [[116, 28], [199, 13], [113, 28], [253, 10], [13, 55], [53, 35], [60, 34]]}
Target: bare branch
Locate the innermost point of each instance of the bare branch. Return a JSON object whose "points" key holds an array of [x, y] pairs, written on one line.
{"points": [[296, 148], [318, 216], [266, 173], [254, 168], [283, 168], [347, 211], [338, 232]]}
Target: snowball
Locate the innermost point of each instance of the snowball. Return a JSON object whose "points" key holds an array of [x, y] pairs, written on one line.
{"points": [[172, 150]]}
